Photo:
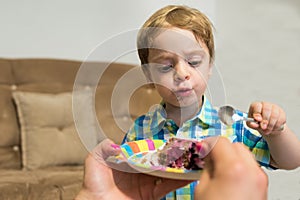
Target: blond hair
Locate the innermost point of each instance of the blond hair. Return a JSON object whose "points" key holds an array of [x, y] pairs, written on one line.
{"points": [[182, 17]]}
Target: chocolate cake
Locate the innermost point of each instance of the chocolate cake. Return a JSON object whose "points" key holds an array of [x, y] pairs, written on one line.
{"points": [[181, 153]]}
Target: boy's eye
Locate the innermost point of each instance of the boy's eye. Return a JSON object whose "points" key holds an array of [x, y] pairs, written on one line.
{"points": [[194, 63], [165, 68]]}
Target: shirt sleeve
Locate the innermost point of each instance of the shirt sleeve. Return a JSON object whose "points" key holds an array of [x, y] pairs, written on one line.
{"points": [[257, 145], [255, 142]]}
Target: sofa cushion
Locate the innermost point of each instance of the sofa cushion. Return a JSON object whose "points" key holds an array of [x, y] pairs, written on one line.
{"points": [[10, 157], [9, 131], [48, 132]]}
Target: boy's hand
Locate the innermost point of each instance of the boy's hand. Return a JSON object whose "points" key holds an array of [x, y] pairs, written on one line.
{"points": [[270, 118]]}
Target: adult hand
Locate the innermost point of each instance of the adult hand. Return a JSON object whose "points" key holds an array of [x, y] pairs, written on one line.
{"points": [[104, 182], [231, 173]]}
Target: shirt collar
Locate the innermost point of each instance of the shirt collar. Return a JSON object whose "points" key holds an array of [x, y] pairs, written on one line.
{"points": [[156, 117], [207, 113]]}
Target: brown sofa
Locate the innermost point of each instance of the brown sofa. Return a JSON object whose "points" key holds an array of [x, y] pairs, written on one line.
{"points": [[41, 154]]}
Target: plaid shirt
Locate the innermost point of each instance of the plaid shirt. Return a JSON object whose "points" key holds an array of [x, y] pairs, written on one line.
{"points": [[155, 125]]}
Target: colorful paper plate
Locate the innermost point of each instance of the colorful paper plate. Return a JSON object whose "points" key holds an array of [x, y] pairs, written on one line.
{"points": [[140, 156]]}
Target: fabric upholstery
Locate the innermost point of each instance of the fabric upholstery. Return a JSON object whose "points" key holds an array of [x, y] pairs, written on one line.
{"points": [[52, 78], [48, 133]]}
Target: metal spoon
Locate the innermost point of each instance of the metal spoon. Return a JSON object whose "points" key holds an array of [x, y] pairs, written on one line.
{"points": [[228, 116]]}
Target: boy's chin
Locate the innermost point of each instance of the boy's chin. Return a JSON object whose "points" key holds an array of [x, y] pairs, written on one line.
{"points": [[188, 103]]}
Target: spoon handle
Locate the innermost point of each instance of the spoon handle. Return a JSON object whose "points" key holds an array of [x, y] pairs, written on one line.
{"points": [[249, 119]]}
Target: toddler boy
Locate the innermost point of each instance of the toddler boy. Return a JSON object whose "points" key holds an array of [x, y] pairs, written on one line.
{"points": [[176, 49]]}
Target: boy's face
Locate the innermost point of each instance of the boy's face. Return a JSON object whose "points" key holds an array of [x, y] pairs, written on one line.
{"points": [[179, 66]]}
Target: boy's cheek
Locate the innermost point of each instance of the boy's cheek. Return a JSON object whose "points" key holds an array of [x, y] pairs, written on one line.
{"points": [[162, 80]]}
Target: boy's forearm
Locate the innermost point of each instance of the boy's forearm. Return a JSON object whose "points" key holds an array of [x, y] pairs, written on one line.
{"points": [[284, 149]]}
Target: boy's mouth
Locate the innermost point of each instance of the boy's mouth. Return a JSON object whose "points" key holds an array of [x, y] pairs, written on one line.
{"points": [[183, 92]]}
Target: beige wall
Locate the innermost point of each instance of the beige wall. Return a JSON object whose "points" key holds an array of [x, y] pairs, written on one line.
{"points": [[258, 54], [73, 29]]}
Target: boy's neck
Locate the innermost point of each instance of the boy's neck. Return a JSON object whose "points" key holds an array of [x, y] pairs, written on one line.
{"points": [[181, 114]]}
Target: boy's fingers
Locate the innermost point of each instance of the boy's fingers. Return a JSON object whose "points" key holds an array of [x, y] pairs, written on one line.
{"points": [[266, 111], [255, 110]]}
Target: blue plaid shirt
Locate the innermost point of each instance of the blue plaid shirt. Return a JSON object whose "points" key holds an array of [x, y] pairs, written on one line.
{"points": [[155, 125]]}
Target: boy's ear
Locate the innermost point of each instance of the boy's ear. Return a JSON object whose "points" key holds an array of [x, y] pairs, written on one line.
{"points": [[147, 74]]}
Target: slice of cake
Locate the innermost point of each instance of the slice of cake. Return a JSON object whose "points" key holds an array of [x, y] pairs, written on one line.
{"points": [[181, 153]]}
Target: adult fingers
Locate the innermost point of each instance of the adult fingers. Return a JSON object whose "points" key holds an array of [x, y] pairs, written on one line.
{"points": [[106, 148], [221, 153], [256, 177], [244, 153]]}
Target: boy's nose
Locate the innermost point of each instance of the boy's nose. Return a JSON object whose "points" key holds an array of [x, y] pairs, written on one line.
{"points": [[181, 73]]}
